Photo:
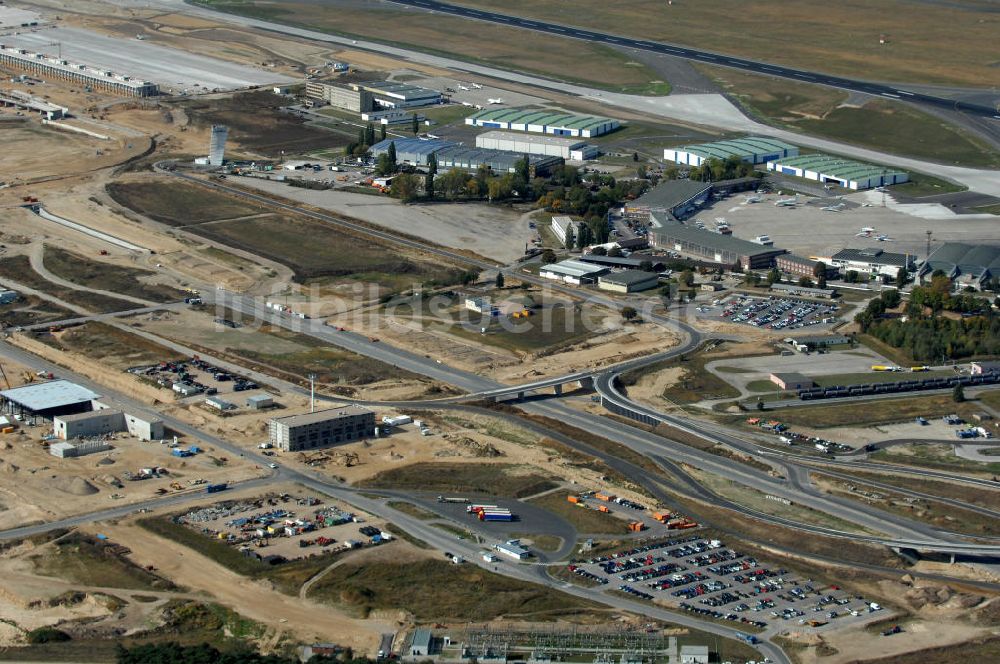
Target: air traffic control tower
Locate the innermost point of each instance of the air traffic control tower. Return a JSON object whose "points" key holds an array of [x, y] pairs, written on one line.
{"points": [[217, 145]]}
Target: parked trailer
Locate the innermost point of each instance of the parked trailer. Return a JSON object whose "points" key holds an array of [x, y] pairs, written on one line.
{"points": [[216, 488], [448, 499], [477, 508], [496, 516]]}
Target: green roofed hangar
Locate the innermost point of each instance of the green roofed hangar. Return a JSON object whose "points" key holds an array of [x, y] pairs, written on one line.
{"points": [[543, 122], [842, 172], [752, 149]]}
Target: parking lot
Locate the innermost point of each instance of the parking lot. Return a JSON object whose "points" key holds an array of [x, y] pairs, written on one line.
{"points": [[776, 313], [706, 577], [198, 376]]}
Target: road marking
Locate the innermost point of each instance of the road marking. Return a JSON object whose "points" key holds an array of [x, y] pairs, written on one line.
{"points": [[904, 92], [889, 94]]}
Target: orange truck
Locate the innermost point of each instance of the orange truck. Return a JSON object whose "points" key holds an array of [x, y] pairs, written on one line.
{"points": [[661, 516], [603, 508], [604, 496], [573, 499], [636, 527]]}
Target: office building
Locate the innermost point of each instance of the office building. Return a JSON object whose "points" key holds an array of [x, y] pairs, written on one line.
{"points": [[321, 428]]}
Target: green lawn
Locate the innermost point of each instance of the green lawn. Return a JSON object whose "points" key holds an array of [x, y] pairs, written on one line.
{"points": [[505, 480], [921, 184]]}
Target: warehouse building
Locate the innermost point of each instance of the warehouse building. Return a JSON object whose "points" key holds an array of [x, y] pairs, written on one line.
{"points": [[678, 198], [388, 94], [393, 117], [47, 399], [753, 150], [572, 272], [552, 146], [321, 428], [628, 281], [414, 151], [803, 267], [968, 265], [543, 122], [560, 224], [78, 448], [470, 159], [871, 261], [712, 247], [98, 79], [341, 96], [845, 173]]}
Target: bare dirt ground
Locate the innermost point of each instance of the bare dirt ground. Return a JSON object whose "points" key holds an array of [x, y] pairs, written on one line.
{"points": [[494, 232]]}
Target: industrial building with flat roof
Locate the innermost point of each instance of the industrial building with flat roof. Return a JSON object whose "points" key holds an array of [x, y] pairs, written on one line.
{"points": [[628, 281], [388, 94], [752, 149], [498, 161], [415, 151], [572, 272], [678, 198], [321, 428], [552, 146], [839, 171], [100, 79], [622, 263], [968, 265], [871, 260], [47, 399], [802, 266], [543, 122], [712, 247]]}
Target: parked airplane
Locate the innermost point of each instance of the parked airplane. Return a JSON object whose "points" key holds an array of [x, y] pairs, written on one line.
{"points": [[834, 208], [495, 101], [477, 86], [463, 87], [752, 199], [787, 202], [866, 231], [884, 238]]}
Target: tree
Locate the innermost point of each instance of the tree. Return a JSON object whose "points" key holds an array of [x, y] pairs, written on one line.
{"points": [[522, 172], [629, 313], [452, 183], [615, 252], [583, 237], [819, 269], [599, 251], [570, 237], [429, 185], [391, 154], [646, 266], [822, 281], [548, 256], [499, 280], [687, 278], [432, 164], [958, 394], [369, 135], [805, 282], [381, 132], [751, 279], [901, 277], [405, 187], [773, 276], [635, 156], [415, 126]]}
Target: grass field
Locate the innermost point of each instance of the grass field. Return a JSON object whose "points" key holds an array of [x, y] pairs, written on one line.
{"points": [[878, 124], [32, 310], [412, 510], [101, 276], [943, 43], [553, 327], [437, 590], [921, 184], [878, 411], [83, 559], [179, 203], [256, 124], [506, 47], [115, 348], [934, 456], [315, 250], [695, 384], [18, 269], [586, 521], [504, 480]]}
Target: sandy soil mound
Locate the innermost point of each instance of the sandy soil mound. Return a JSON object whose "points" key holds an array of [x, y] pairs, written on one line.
{"points": [[76, 486]]}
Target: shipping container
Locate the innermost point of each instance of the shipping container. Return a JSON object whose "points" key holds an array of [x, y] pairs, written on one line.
{"points": [[573, 499]]}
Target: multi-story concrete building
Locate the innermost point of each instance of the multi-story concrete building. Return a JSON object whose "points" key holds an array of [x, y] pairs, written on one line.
{"points": [[341, 96], [321, 428]]}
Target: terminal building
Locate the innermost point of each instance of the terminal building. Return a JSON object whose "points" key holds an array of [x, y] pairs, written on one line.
{"points": [[322, 428], [753, 150], [552, 146], [967, 265], [388, 94], [543, 122], [872, 261], [670, 235], [98, 79], [846, 173], [341, 96]]}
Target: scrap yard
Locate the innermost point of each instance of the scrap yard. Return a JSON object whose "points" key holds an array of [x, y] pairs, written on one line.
{"points": [[429, 332]]}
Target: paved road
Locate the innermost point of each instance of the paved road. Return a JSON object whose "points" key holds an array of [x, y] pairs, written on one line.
{"points": [[708, 57]]}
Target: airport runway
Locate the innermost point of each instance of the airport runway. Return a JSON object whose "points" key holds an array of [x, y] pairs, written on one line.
{"points": [[853, 85]]}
